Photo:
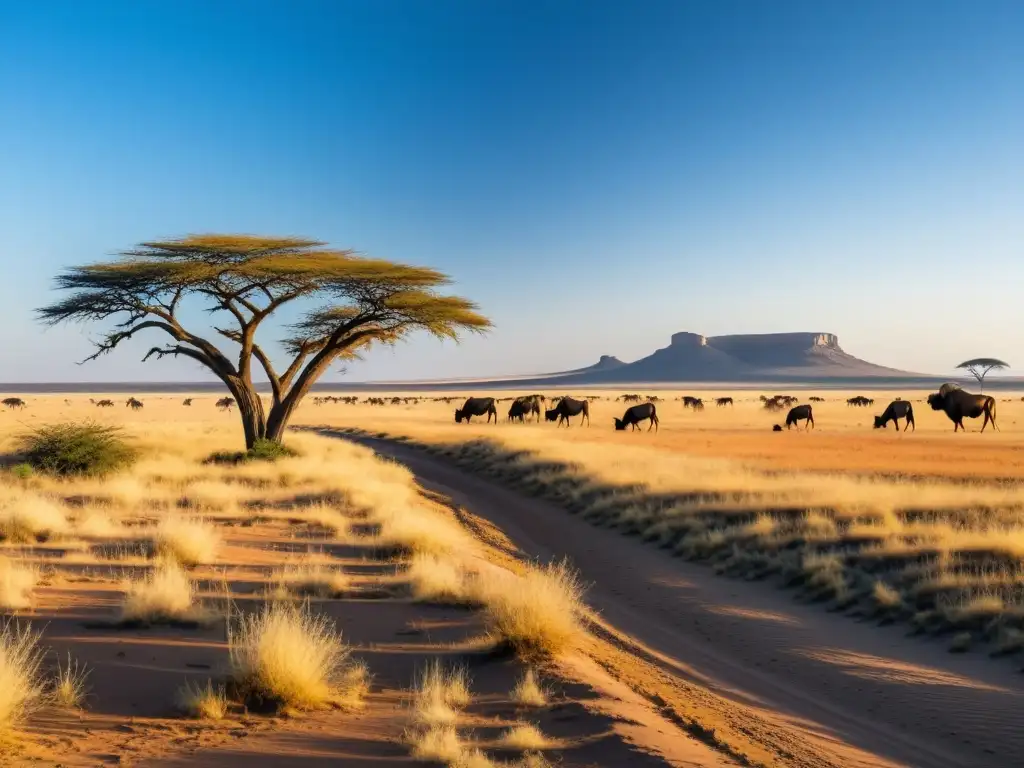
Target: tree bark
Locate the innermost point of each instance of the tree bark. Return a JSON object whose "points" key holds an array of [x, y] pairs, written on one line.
{"points": [[250, 407]]}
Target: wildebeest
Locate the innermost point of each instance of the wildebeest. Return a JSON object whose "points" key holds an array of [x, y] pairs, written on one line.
{"points": [[477, 406], [720, 401], [14, 402], [132, 403], [860, 401], [800, 413], [689, 401], [187, 401], [816, 399], [898, 409], [526, 406], [959, 404], [636, 414], [629, 398], [226, 403], [567, 407], [104, 403]]}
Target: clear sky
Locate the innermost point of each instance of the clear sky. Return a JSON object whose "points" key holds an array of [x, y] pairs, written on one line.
{"points": [[597, 175]]}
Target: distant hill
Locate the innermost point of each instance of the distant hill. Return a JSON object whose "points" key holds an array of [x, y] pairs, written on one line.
{"points": [[604, 363], [690, 357]]}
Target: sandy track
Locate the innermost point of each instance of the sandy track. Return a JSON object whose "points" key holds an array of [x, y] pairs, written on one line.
{"points": [[786, 684]]}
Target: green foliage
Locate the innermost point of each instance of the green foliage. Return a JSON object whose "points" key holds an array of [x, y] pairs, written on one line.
{"points": [[262, 450], [70, 449], [22, 471]]}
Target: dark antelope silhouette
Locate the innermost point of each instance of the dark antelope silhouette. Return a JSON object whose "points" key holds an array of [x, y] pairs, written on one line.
{"points": [[187, 401], [898, 409], [860, 401], [104, 403], [567, 407], [226, 403], [132, 403], [14, 402], [526, 406], [959, 405], [636, 414], [720, 401], [477, 406], [800, 413]]}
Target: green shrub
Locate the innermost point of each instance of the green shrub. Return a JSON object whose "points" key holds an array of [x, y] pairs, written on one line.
{"points": [[22, 471], [76, 449], [263, 450]]}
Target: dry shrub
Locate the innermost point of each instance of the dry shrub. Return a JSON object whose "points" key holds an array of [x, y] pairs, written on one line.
{"points": [[439, 694], [525, 737], [885, 596], [76, 449], [203, 702], [536, 614], [69, 687], [21, 684], [16, 584], [93, 523], [28, 518], [528, 692], [418, 530], [327, 518], [164, 595], [287, 656], [189, 541]]}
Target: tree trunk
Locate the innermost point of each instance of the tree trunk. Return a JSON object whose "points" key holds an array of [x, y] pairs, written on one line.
{"points": [[277, 422], [254, 421]]}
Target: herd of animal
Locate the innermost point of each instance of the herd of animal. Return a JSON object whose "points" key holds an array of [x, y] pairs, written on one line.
{"points": [[956, 403]]}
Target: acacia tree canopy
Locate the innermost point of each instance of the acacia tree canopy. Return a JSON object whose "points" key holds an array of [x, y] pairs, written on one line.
{"points": [[357, 301], [980, 366]]}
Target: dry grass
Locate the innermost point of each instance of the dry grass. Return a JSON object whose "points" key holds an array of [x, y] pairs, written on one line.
{"points": [[203, 702], [526, 737], [17, 581], [290, 657], [440, 694], [187, 540], [439, 743], [438, 580], [538, 613], [164, 595], [26, 518], [528, 691], [21, 684], [311, 579], [70, 685]]}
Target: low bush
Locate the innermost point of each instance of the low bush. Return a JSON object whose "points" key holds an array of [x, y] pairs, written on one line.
{"points": [[70, 449], [165, 596], [262, 450], [16, 584], [21, 684]]}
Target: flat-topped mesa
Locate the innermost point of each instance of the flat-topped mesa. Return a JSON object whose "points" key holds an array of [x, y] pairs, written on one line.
{"points": [[827, 340], [687, 339]]}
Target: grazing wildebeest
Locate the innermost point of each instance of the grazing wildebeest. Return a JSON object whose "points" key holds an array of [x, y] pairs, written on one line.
{"points": [[14, 402], [698, 404], [629, 398], [528, 405], [477, 406], [959, 404], [518, 411], [226, 403], [690, 402], [773, 404], [187, 401], [567, 407], [800, 413], [720, 401], [132, 403], [860, 401], [105, 404], [636, 414], [816, 399], [898, 409]]}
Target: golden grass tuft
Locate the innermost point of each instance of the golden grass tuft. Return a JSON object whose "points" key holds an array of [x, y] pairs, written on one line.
{"points": [[16, 584], [436, 579], [203, 702], [189, 541], [70, 685], [885, 596], [528, 692], [525, 737], [21, 685], [165, 594], [440, 743], [439, 694], [28, 518], [538, 613], [287, 656], [311, 580]]}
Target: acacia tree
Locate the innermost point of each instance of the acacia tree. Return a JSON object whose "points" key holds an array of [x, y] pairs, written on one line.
{"points": [[980, 366], [356, 301]]}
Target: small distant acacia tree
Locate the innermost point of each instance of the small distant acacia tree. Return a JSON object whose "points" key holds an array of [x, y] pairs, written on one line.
{"points": [[357, 302], [980, 366]]}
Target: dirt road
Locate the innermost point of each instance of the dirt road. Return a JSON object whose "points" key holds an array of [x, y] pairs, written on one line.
{"points": [[783, 683]]}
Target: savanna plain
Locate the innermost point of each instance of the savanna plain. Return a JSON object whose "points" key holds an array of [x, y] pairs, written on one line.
{"points": [[402, 589]]}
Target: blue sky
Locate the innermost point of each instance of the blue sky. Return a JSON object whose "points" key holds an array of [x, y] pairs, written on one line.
{"points": [[596, 175]]}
